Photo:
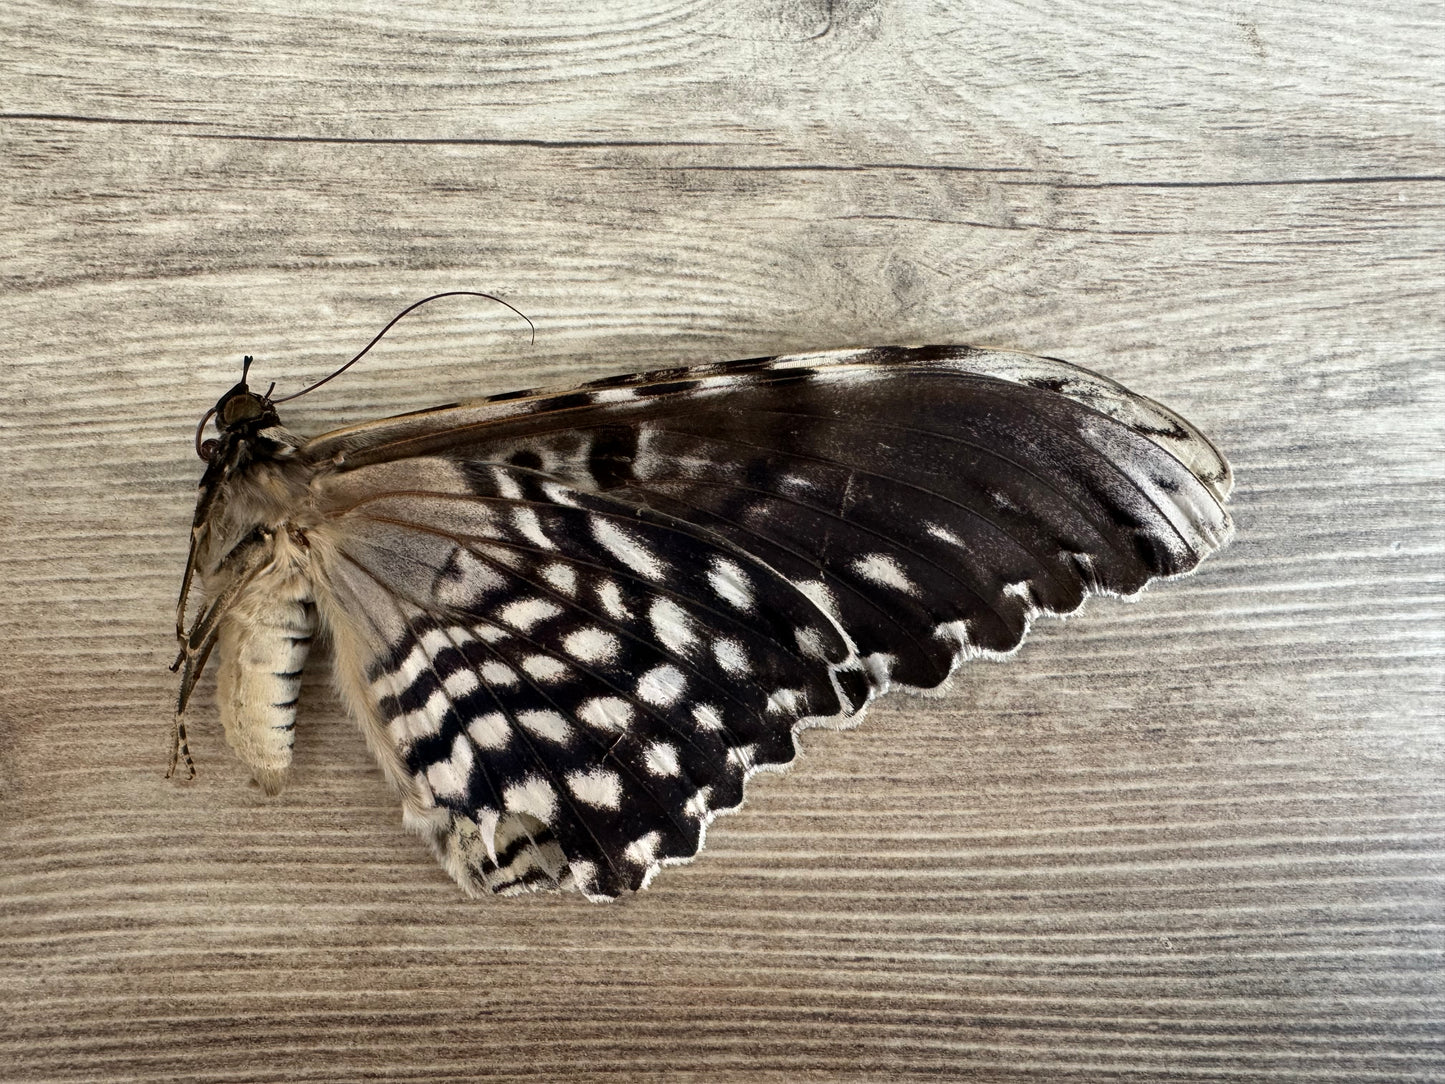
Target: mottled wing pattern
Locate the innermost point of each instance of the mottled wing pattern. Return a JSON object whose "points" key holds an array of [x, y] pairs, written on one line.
{"points": [[578, 620]]}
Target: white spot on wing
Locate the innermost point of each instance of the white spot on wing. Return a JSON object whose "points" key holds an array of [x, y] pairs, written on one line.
{"points": [[435, 641], [506, 485], [421, 723], [810, 643], [1024, 592], [643, 851], [559, 494], [545, 668], [460, 683], [546, 724], [591, 645], [730, 656], [606, 713], [956, 631], [490, 731], [742, 755], [707, 717], [584, 873], [406, 672], [697, 805], [496, 673], [613, 395], [597, 787], [672, 625], [786, 701], [534, 795], [562, 577], [611, 597], [731, 583], [524, 613], [884, 570], [661, 685], [530, 527], [626, 548], [944, 534], [448, 778], [487, 828], [879, 666], [661, 758]]}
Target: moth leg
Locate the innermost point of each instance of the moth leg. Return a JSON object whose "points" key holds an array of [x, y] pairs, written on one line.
{"points": [[196, 648], [195, 663], [180, 750], [197, 533]]}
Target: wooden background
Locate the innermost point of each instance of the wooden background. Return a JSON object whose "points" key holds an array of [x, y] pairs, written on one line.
{"points": [[1201, 837]]}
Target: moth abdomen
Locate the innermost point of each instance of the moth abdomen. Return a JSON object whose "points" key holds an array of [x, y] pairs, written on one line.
{"points": [[263, 644]]}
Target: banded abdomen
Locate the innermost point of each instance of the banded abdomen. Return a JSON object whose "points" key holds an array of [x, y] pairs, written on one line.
{"points": [[263, 645]]}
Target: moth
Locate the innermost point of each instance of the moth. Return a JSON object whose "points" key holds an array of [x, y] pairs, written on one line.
{"points": [[572, 622]]}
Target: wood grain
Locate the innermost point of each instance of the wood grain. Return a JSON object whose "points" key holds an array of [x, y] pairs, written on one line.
{"points": [[1201, 837]]}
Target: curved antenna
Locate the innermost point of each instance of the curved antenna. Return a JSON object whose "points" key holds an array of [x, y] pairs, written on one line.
{"points": [[201, 432], [394, 319]]}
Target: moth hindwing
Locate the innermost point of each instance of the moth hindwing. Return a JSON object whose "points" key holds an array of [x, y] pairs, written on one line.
{"points": [[572, 623]]}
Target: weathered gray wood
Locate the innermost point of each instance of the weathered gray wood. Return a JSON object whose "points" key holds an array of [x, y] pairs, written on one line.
{"points": [[1194, 838]]}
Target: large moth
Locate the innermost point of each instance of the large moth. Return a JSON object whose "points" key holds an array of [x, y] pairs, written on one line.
{"points": [[572, 622]]}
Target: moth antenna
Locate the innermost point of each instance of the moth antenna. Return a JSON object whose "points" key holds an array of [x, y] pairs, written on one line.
{"points": [[201, 429], [394, 320]]}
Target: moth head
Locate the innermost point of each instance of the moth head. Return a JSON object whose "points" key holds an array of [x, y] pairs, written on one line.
{"points": [[240, 412]]}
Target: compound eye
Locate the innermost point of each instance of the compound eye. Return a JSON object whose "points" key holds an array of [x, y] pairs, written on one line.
{"points": [[240, 408], [207, 450]]}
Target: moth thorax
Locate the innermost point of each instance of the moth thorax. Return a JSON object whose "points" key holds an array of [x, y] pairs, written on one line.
{"points": [[263, 645]]}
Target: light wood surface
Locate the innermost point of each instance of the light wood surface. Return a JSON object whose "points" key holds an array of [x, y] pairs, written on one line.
{"points": [[1200, 837]]}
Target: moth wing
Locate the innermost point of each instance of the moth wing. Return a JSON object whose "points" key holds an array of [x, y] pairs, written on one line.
{"points": [[575, 621]]}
